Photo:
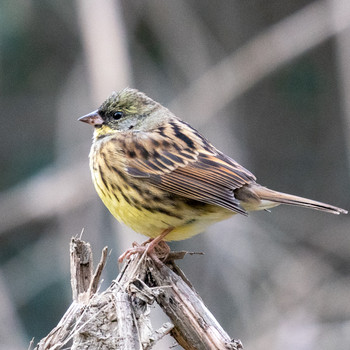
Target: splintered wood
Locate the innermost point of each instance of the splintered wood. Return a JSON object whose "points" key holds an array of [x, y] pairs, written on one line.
{"points": [[119, 317]]}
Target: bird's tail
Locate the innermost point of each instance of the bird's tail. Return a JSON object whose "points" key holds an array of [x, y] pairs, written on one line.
{"points": [[269, 198]]}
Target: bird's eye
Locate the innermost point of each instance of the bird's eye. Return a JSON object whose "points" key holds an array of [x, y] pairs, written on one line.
{"points": [[117, 115]]}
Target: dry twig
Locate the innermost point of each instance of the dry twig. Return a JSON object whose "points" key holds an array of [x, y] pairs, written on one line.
{"points": [[119, 318]]}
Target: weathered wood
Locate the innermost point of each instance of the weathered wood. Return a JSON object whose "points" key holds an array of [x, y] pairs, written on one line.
{"points": [[119, 317], [195, 327], [81, 267], [106, 320]]}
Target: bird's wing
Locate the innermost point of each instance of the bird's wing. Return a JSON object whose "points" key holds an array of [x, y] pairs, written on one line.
{"points": [[176, 158]]}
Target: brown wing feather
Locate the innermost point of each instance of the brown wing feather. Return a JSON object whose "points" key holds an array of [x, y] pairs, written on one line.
{"points": [[178, 159]]}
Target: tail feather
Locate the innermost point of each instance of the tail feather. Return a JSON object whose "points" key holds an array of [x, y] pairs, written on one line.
{"points": [[266, 194]]}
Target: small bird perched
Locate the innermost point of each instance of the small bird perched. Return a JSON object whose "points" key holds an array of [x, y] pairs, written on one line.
{"points": [[161, 177]]}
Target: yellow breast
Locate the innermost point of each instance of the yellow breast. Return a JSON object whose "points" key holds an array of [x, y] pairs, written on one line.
{"points": [[143, 207]]}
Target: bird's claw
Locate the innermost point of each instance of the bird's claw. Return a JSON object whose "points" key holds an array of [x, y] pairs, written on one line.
{"points": [[157, 252]]}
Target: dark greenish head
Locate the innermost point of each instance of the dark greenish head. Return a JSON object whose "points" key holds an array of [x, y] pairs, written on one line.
{"points": [[129, 102], [126, 110]]}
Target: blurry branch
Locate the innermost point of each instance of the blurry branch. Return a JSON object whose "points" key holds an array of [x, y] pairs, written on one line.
{"points": [[119, 318], [264, 54], [199, 41], [340, 12], [104, 42], [54, 191]]}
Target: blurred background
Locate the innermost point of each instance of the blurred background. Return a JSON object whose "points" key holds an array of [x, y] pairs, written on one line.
{"points": [[268, 82]]}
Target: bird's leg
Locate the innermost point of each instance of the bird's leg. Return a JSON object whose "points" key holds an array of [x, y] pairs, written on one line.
{"points": [[148, 247]]}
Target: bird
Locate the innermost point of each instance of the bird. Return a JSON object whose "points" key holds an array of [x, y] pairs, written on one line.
{"points": [[158, 175]]}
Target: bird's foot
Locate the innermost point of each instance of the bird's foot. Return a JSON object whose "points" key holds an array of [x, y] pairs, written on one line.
{"points": [[156, 248], [157, 252], [136, 249]]}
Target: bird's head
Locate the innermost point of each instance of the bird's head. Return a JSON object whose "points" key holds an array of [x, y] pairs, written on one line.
{"points": [[126, 110]]}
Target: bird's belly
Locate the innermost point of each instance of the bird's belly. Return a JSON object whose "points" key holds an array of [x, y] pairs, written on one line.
{"points": [[186, 221], [149, 210], [199, 223]]}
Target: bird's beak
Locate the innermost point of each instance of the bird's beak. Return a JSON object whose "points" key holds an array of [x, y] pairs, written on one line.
{"points": [[92, 118]]}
